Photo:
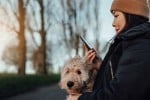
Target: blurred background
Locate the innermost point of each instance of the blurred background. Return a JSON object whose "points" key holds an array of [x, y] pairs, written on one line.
{"points": [[38, 36]]}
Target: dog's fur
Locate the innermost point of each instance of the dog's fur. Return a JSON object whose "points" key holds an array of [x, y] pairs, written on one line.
{"points": [[78, 75]]}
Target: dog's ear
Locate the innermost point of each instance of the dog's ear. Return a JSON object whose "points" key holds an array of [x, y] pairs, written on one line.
{"points": [[86, 63]]}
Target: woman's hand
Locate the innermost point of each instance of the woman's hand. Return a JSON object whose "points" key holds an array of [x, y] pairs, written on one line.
{"points": [[92, 57], [73, 97]]}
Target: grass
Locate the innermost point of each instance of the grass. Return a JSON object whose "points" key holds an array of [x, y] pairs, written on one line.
{"points": [[13, 84]]}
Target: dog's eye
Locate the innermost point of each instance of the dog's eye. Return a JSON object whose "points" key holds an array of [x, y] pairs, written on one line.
{"points": [[78, 72]]}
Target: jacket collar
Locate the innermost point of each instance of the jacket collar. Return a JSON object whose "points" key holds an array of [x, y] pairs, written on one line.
{"points": [[134, 32]]}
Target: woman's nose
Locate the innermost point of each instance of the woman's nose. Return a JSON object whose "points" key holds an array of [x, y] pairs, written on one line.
{"points": [[113, 24]]}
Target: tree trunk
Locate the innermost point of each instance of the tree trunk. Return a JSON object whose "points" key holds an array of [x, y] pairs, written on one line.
{"points": [[42, 48], [22, 42], [38, 61]]}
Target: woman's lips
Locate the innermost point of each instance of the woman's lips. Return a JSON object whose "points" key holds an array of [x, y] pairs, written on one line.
{"points": [[117, 30]]}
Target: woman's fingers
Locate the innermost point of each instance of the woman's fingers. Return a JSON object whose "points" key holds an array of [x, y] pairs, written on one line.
{"points": [[89, 52], [91, 56]]}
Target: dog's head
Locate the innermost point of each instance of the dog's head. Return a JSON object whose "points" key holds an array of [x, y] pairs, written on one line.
{"points": [[76, 74]]}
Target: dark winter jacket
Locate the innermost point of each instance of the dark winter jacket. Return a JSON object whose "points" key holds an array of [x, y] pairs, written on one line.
{"points": [[125, 71]]}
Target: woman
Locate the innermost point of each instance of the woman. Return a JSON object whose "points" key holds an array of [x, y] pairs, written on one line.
{"points": [[125, 70]]}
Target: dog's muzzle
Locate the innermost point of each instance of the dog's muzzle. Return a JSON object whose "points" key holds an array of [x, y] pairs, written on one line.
{"points": [[70, 84]]}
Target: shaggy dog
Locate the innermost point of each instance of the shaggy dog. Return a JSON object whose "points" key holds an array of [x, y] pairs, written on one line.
{"points": [[78, 75]]}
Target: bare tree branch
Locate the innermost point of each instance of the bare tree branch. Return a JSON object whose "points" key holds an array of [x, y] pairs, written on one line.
{"points": [[13, 10]]}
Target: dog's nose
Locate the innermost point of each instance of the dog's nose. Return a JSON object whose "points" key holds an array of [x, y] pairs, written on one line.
{"points": [[70, 84]]}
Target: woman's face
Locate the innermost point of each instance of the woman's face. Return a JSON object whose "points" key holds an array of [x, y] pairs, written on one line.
{"points": [[119, 21]]}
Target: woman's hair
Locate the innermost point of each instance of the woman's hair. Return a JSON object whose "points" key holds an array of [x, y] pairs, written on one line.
{"points": [[133, 20]]}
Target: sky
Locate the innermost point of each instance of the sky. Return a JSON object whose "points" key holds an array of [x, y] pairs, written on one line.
{"points": [[106, 33]]}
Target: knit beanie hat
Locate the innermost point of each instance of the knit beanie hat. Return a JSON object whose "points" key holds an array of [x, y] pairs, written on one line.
{"points": [[136, 7]]}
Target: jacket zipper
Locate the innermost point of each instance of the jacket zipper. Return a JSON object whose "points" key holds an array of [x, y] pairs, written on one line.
{"points": [[111, 70]]}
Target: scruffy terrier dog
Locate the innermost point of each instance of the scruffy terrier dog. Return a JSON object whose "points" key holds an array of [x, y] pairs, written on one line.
{"points": [[78, 75]]}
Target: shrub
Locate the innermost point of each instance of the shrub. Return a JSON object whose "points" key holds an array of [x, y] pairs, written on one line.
{"points": [[13, 84]]}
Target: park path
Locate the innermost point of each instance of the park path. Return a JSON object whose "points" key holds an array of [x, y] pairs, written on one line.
{"points": [[44, 93]]}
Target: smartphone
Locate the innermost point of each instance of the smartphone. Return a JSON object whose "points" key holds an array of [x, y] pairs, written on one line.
{"points": [[89, 47]]}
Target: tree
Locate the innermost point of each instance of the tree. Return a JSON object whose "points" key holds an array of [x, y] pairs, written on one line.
{"points": [[22, 41], [40, 61], [41, 52], [10, 52], [16, 24]]}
